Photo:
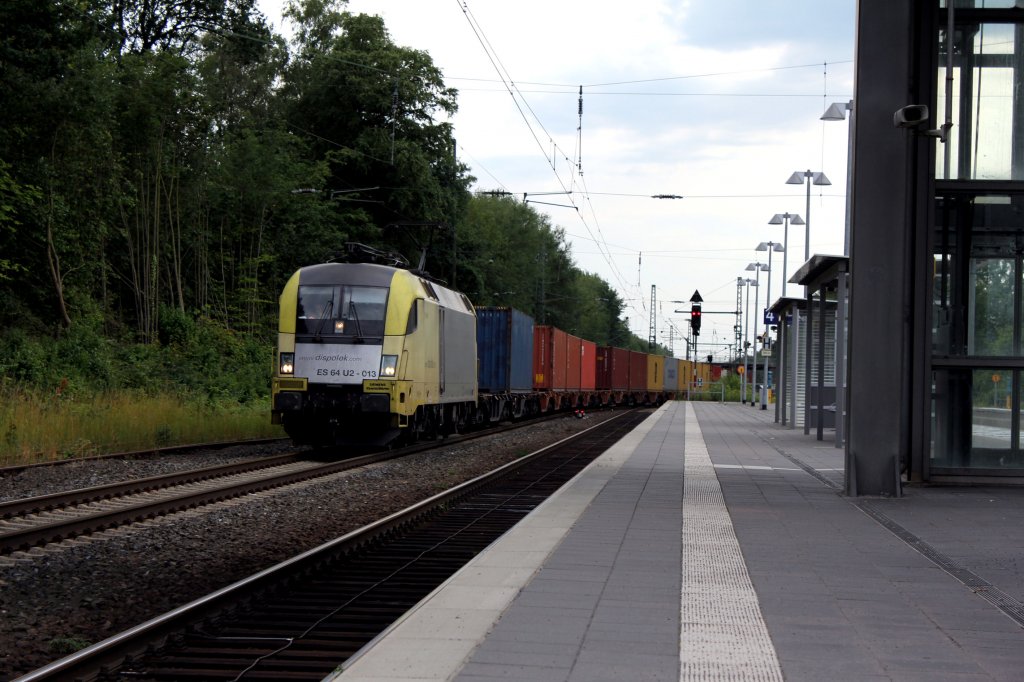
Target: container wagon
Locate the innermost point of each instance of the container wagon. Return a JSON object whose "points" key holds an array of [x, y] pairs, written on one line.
{"points": [[550, 366], [504, 345], [574, 360], [612, 375], [671, 381], [589, 396], [637, 377], [655, 379], [687, 381]]}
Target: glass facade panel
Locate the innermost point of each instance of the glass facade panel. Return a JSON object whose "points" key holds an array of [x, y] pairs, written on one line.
{"points": [[977, 320], [977, 260], [991, 304], [977, 274], [985, 87], [973, 426], [991, 421]]}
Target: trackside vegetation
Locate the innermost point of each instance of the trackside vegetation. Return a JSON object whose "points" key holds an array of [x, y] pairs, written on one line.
{"points": [[166, 165], [84, 394]]}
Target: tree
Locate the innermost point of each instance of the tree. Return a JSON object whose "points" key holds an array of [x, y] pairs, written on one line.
{"points": [[369, 108], [173, 25], [55, 124]]}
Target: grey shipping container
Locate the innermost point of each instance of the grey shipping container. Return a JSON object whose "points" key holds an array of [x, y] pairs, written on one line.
{"points": [[504, 349], [671, 374]]}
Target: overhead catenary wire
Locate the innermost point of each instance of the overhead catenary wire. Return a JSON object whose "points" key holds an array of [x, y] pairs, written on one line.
{"points": [[590, 219], [521, 102], [518, 95]]}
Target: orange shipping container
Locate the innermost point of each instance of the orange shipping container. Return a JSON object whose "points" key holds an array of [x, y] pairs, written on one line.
{"points": [[573, 358], [588, 365], [637, 371], [612, 369], [549, 362]]}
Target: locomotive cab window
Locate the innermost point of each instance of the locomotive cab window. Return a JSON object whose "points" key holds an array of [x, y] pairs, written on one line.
{"points": [[315, 303], [342, 311]]}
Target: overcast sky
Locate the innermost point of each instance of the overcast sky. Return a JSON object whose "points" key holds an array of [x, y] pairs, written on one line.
{"points": [[718, 101]]}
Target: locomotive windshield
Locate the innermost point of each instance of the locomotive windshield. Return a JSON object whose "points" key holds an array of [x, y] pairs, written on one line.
{"points": [[342, 311]]}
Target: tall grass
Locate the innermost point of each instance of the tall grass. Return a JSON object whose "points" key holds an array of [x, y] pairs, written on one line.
{"points": [[38, 427]]}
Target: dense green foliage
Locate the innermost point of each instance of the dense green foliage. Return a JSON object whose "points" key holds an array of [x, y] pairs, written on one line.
{"points": [[166, 165], [200, 361]]}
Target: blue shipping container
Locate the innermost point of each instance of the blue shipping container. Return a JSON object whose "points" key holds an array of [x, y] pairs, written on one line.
{"points": [[504, 350]]}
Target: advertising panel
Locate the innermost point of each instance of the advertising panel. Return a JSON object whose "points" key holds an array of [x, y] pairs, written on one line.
{"points": [[337, 363]]}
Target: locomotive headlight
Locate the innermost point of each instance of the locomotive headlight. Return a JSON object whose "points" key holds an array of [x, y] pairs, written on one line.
{"points": [[388, 366], [287, 363]]}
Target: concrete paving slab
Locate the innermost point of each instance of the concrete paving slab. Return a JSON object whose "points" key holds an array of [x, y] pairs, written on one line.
{"points": [[841, 596], [868, 598]]}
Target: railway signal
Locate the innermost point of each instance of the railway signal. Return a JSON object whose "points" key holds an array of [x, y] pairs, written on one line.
{"points": [[695, 319]]}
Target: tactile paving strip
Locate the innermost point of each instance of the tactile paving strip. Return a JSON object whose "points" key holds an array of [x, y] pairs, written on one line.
{"points": [[723, 635]]}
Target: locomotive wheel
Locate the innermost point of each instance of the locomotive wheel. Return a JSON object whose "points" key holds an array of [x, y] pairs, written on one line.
{"points": [[428, 424]]}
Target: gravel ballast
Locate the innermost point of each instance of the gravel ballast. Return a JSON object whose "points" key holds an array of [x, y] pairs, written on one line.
{"points": [[89, 589]]}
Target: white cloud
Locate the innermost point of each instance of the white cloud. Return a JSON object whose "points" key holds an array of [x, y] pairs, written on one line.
{"points": [[727, 151]]}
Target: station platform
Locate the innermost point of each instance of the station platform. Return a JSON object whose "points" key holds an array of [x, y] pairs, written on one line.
{"points": [[712, 543]]}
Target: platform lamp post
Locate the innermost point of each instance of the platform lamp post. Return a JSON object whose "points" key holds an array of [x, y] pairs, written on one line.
{"points": [[811, 178], [738, 334], [785, 219], [769, 247], [746, 382], [755, 267], [837, 112]]}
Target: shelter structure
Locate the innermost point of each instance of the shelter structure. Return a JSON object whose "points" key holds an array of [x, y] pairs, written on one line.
{"points": [[806, 363], [825, 279]]}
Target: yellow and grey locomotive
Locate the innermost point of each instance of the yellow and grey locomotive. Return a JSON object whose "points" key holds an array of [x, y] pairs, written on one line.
{"points": [[368, 353]]}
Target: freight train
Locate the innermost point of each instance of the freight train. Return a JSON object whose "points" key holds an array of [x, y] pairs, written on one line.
{"points": [[370, 353]]}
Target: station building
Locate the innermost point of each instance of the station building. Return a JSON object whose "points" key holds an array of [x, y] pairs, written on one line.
{"points": [[936, 336]]}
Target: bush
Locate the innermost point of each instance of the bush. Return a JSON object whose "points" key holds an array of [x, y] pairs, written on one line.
{"points": [[200, 360], [22, 359], [176, 328]]}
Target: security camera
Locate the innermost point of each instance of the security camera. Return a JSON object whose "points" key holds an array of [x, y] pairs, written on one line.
{"points": [[910, 116]]}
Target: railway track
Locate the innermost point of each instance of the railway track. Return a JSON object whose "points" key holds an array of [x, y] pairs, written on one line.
{"points": [[10, 470], [304, 617], [39, 521]]}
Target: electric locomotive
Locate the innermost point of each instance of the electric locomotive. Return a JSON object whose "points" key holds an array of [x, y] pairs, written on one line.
{"points": [[370, 352]]}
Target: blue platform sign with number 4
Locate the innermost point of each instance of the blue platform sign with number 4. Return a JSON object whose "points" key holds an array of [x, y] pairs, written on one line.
{"points": [[770, 317]]}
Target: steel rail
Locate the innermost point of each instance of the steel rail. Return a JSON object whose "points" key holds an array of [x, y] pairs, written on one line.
{"points": [[113, 652], [34, 505], [40, 534], [141, 454]]}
